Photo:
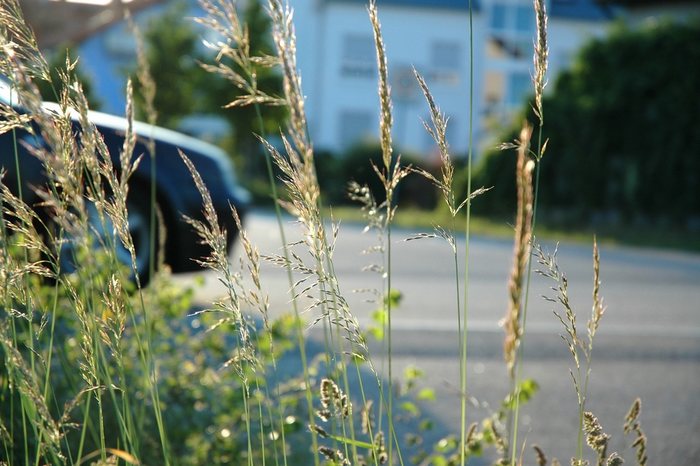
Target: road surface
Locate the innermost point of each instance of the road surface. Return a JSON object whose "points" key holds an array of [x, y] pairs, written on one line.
{"points": [[648, 344]]}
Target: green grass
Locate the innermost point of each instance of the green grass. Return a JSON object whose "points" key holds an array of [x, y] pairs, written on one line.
{"points": [[671, 238]]}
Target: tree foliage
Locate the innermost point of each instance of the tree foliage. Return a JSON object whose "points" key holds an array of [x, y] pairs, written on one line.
{"points": [[172, 54], [57, 64], [183, 88], [622, 130], [244, 121]]}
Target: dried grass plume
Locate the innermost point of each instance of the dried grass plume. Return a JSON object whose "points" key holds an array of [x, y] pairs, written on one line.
{"points": [[521, 249]]}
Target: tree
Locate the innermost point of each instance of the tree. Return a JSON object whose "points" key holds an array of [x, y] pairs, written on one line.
{"points": [[51, 90], [172, 55], [184, 88], [622, 125], [244, 121]]}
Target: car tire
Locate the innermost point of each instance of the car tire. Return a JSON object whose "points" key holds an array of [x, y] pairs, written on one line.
{"points": [[139, 222]]}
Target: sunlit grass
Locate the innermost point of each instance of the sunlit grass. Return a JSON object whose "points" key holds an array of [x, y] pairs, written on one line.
{"points": [[671, 238]]}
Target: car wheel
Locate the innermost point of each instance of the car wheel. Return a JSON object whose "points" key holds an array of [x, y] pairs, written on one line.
{"points": [[102, 228]]}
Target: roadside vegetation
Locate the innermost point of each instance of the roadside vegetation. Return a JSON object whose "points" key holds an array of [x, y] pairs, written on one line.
{"points": [[658, 236], [621, 127], [97, 369]]}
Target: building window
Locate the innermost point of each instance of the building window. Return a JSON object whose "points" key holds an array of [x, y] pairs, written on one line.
{"points": [[519, 86], [355, 126], [445, 62], [404, 87], [494, 89], [359, 58], [524, 19], [511, 28], [498, 16], [505, 91]]}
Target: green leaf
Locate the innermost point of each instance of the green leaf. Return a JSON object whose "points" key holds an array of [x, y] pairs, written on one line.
{"points": [[379, 317], [393, 298], [525, 390], [410, 407], [411, 373], [446, 444], [426, 394], [376, 332], [475, 448], [426, 424], [351, 442], [528, 388]]}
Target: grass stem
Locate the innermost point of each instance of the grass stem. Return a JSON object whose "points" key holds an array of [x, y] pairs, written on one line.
{"points": [[465, 307]]}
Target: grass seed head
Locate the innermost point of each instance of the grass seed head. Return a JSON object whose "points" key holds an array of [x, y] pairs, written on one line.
{"points": [[632, 417], [521, 249], [386, 118], [19, 44], [614, 460], [144, 76], [540, 56], [540, 456]]}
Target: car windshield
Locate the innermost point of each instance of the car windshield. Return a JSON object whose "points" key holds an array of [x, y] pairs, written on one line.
{"points": [[8, 95]]}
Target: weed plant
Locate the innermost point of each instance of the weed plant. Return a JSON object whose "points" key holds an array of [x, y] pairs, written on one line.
{"points": [[98, 369]]}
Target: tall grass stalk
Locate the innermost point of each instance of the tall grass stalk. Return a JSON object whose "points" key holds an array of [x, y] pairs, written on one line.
{"points": [[110, 212], [465, 307], [390, 174], [80, 171], [26, 258], [385, 174], [285, 46], [148, 93], [19, 43], [148, 90], [300, 178], [540, 61], [214, 236], [581, 349], [437, 129], [241, 70], [514, 319]]}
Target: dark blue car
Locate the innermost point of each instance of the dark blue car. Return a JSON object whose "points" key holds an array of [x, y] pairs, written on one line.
{"points": [[176, 194]]}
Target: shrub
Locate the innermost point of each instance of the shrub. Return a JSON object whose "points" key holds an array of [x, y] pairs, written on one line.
{"points": [[622, 131], [355, 164]]}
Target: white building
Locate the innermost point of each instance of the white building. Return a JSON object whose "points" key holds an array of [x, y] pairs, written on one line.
{"points": [[338, 63], [337, 60]]}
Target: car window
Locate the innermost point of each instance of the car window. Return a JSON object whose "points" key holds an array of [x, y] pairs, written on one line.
{"points": [[7, 95]]}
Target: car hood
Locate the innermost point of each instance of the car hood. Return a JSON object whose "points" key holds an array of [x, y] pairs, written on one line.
{"points": [[189, 145], [119, 124]]}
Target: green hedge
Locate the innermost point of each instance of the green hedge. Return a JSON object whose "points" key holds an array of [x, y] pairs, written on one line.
{"points": [[623, 130], [355, 164]]}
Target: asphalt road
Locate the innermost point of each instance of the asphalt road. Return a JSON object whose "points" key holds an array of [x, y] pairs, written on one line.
{"points": [[648, 344]]}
